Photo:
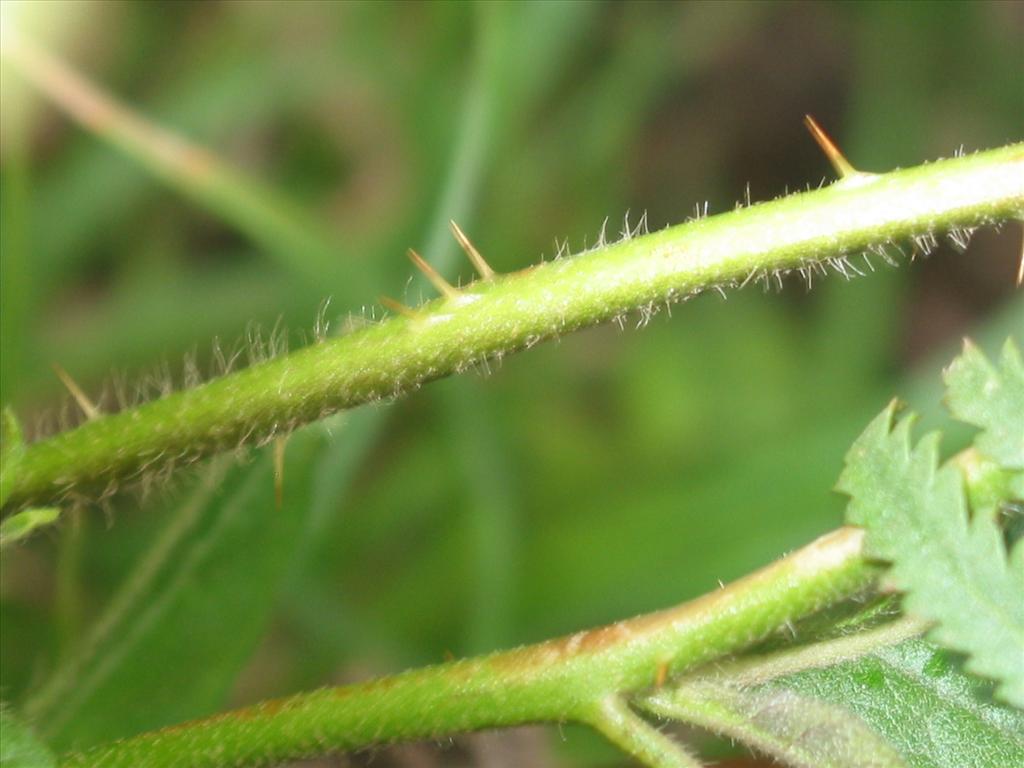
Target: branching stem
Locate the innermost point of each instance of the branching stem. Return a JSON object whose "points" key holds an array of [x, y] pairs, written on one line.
{"points": [[635, 736], [494, 317], [570, 678]]}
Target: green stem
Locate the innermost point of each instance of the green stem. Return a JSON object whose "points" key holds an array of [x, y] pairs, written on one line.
{"points": [[492, 318], [635, 736], [564, 679]]}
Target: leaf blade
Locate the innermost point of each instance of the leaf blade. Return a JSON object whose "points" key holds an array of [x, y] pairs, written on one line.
{"points": [[953, 571], [990, 397], [794, 728], [916, 697]]}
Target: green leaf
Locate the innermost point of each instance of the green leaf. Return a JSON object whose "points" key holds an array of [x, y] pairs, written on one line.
{"points": [[953, 571], [19, 747], [173, 640], [872, 694], [24, 523], [793, 728], [922, 703], [992, 398]]}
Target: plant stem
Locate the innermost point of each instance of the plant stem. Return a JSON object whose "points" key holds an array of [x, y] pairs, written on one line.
{"points": [[491, 318], [635, 736], [568, 678]]}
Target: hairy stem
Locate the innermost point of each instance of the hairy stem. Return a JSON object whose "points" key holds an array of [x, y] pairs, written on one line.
{"points": [[491, 318], [565, 679], [635, 736]]}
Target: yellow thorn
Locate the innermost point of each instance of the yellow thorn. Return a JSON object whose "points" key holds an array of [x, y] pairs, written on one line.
{"points": [[661, 675], [840, 163], [279, 444], [478, 261], [88, 406], [443, 286], [397, 306]]}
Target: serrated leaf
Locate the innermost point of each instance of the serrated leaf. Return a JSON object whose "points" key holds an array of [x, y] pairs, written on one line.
{"points": [[953, 571], [172, 642], [871, 695], [19, 747], [990, 397], [24, 523], [922, 703], [795, 729]]}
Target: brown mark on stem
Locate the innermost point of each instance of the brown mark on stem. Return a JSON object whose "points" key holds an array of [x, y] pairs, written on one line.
{"points": [[825, 553]]}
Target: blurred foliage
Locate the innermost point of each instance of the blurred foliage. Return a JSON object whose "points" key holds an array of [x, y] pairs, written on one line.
{"points": [[586, 480]]}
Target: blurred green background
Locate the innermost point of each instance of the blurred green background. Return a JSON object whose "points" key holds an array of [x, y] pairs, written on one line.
{"points": [[604, 475]]}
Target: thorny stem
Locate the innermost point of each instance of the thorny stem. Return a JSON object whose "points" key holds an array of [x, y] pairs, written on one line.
{"points": [[570, 678], [803, 232]]}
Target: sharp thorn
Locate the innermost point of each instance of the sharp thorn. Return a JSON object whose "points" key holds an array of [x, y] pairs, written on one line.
{"points": [[481, 266], [397, 306], [840, 163], [443, 287], [661, 675], [88, 406]]}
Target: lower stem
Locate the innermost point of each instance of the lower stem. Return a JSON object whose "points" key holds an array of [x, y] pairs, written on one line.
{"points": [[563, 679], [635, 736]]}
